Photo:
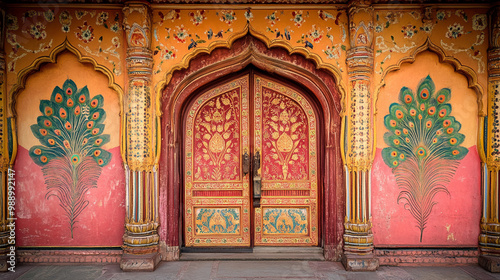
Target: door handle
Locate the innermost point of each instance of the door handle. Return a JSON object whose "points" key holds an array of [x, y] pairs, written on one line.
{"points": [[246, 164], [257, 180]]}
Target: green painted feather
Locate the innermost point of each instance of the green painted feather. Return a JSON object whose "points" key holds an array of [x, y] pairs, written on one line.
{"points": [[423, 147], [70, 132]]}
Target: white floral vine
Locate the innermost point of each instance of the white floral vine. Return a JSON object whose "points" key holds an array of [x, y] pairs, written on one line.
{"points": [[470, 51]]}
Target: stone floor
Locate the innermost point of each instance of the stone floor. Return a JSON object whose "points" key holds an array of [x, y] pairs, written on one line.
{"points": [[240, 270]]}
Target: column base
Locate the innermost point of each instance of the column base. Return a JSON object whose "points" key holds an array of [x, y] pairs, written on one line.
{"points": [[146, 262], [360, 263], [490, 263]]}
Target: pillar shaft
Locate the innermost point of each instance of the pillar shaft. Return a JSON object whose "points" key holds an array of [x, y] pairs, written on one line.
{"points": [[140, 241], [489, 239], [358, 238]]}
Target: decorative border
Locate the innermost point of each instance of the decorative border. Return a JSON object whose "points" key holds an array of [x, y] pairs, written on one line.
{"points": [[69, 256], [310, 202], [184, 64], [23, 75], [191, 239], [441, 256], [468, 72]]}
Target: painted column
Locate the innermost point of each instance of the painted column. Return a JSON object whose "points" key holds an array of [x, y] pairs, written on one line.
{"points": [[358, 237], [140, 241], [489, 239], [7, 175]]}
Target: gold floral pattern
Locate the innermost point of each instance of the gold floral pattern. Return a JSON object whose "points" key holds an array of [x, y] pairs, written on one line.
{"points": [[284, 138], [285, 132], [217, 133]]}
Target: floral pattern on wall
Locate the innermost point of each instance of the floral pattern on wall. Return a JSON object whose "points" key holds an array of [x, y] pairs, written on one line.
{"points": [[34, 33], [460, 33], [180, 32]]}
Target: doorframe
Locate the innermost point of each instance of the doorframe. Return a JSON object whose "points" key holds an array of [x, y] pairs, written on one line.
{"points": [[278, 62], [251, 71]]}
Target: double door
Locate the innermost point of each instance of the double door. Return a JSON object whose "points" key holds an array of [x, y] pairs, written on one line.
{"points": [[250, 166]]}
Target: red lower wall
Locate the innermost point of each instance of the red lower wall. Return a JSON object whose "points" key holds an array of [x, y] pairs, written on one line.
{"points": [[42, 222], [454, 220]]}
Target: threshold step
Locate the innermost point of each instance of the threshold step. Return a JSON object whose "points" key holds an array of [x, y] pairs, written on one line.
{"points": [[260, 253]]}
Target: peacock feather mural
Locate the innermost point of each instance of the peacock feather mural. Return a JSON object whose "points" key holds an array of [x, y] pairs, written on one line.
{"points": [[423, 147], [70, 131]]}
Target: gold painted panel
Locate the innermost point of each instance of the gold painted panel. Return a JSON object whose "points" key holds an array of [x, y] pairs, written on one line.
{"points": [[216, 132], [285, 133]]}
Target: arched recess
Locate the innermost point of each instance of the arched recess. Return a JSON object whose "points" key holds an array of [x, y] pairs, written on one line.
{"points": [[391, 220], [104, 192], [269, 43], [23, 75], [275, 61], [466, 71]]}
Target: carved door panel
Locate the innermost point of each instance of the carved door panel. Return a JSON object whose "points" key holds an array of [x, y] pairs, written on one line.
{"points": [[224, 128], [217, 201], [285, 134]]}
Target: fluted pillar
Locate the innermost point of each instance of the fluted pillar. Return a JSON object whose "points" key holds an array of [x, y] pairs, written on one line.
{"points": [[140, 241], [489, 239], [358, 237]]}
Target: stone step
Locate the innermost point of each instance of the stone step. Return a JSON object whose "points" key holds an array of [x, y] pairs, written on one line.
{"points": [[259, 253]]}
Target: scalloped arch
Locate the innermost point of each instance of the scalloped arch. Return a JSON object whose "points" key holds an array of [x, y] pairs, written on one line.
{"points": [[467, 71], [23, 74], [184, 64]]}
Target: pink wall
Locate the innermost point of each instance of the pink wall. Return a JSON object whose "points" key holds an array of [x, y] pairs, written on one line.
{"points": [[42, 222], [454, 220]]}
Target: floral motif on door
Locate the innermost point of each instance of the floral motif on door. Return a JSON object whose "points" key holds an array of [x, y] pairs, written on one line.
{"points": [[284, 138], [217, 143], [218, 127], [285, 132], [217, 202]]}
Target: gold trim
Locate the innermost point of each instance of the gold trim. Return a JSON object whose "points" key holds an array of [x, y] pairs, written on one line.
{"points": [[39, 5], [400, 7], [14, 141], [467, 71], [245, 6], [480, 139], [23, 74], [269, 44], [70, 247]]}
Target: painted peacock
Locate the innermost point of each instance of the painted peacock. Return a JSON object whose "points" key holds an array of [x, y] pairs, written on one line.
{"points": [[424, 147], [71, 155]]}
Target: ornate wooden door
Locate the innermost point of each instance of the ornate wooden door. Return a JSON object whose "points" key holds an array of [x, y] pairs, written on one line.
{"points": [[223, 125], [285, 135]]}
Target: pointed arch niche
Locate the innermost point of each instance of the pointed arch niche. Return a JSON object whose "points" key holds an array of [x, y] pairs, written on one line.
{"points": [[43, 220], [276, 62], [455, 218]]}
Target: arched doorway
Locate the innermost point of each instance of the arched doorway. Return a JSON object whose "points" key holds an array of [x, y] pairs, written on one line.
{"points": [[321, 88], [250, 165]]}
